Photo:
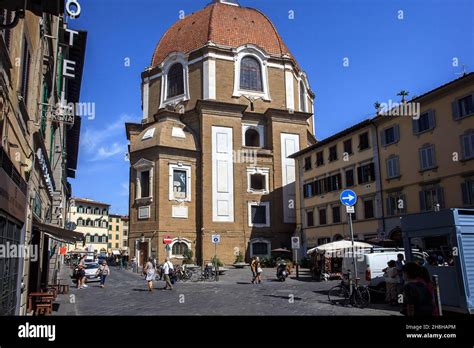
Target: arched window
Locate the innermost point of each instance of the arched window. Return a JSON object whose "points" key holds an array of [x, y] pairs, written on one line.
{"points": [[179, 248], [80, 222], [252, 138], [89, 210], [80, 209], [96, 223], [104, 211], [104, 239], [302, 97], [175, 80], [97, 211], [88, 222], [88, 238], [104, 224], [251, 74]]}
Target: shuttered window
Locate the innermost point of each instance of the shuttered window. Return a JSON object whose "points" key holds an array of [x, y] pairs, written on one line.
{"points": [[424, 123], [467, 145], [393, 167], [390, 135], [431, 197], [366, 173], [467, 190], [427, 157]]}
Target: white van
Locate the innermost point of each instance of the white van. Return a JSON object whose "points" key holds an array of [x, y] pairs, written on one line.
{"points": [[370, 264]]}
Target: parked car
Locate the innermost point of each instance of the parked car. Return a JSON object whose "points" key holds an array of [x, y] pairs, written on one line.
{"points": [[91, 272], [370, 264]]}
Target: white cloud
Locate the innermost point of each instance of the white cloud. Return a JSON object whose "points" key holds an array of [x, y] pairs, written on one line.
{"points": [[100, 143]]}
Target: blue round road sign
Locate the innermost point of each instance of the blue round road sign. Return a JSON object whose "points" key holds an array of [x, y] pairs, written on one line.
{"points": [[348, 198]]}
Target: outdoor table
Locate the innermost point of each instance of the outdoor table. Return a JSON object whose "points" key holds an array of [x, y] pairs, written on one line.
{"points": [[35, 298]]}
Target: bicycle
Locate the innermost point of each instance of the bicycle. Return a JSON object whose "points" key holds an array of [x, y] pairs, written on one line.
{"points": [[206, 274], [350, 293]]}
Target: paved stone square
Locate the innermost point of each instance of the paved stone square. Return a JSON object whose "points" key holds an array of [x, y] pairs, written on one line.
{"points": [[126, 294]]}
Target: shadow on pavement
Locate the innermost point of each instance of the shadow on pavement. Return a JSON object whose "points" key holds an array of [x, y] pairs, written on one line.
{"points": [[284, 297]]}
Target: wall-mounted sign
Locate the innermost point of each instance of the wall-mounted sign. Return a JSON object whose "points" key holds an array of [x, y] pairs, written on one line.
{"points": [[44, 170]]}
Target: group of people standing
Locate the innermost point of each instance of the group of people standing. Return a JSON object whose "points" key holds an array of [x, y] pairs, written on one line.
{"points": [[150, 271], [410, 285]]}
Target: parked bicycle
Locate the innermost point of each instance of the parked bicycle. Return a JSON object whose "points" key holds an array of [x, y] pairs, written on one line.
{"points": [[182, 274], [350, 292]]}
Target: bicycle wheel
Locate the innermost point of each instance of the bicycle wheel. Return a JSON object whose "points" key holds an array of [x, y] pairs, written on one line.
{"points": [[338, 295], [361, 296]]}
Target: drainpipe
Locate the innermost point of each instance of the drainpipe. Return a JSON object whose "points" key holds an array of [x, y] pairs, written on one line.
{"points": [[380, 175]]}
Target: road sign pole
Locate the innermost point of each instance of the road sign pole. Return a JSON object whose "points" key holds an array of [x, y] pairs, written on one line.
{"points": [[352, 241], [215, 261]]}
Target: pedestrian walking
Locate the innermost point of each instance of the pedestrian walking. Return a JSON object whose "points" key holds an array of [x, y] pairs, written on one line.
{"points": [[80, 276], [103, 272], [391, 281], [168, 271], [258, 271], [253, 268], [399, 265], [417, 299], [150, 273]]}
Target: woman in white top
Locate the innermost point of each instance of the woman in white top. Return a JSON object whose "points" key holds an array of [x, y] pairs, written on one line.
{"points": [[150, 273]]}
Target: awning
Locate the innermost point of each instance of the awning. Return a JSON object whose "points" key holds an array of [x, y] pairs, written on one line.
{"points": [[59, 233]]}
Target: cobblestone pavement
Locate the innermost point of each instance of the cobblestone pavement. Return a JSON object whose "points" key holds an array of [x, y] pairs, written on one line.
{"points": [[126, 294]]}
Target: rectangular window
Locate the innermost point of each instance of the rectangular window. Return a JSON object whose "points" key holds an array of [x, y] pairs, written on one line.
{"points": [[5, 18], [117, 237], [424, 123], [396, 204], [145, 184], [333, 153], [432, 198], [259, 214], [322, 217], [319, 159], [336, 214], [364, 141], [348, 146], [116, 245], [110, 236], [116, 228], [366, 173], [466, 106], [467, 145], [369, 209], [427, 157], [307, 163], [309, 218], [257, 180], [109, 245], [324, 240], [349, 177], [390, 135], [308, 190], [179, 184], [467, 190], [25, 71], [334, 183], [393, 167]]}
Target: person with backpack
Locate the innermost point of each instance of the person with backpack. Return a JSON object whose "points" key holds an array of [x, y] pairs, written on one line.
{"points": [[168, 271], [103, 272]]}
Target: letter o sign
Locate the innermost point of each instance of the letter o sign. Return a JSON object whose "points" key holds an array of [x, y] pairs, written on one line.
{"points": [[73, 8]]}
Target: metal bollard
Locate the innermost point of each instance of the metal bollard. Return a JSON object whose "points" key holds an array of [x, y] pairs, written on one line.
{"points": [[438, 296], [349, 276]]}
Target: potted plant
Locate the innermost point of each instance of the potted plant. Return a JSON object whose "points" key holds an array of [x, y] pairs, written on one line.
{"points": [[239, 261]]}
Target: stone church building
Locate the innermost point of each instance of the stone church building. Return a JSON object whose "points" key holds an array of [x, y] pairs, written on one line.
{"points": [[224, 105]]}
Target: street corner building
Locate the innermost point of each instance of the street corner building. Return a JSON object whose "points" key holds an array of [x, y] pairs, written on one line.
{"points": [[41, 63], [224, 105]]}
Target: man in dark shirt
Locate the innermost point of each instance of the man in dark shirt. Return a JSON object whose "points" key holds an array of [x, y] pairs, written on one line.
{"points": [[417, 299]]}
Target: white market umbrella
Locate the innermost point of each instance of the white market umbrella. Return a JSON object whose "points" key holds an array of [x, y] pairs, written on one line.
{"points": [[339, 247]]}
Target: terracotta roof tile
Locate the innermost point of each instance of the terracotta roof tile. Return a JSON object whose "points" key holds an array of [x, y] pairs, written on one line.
{"points": [[222, 24]]}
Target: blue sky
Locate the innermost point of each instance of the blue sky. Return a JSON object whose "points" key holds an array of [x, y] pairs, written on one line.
{"points": [[387, 50]]}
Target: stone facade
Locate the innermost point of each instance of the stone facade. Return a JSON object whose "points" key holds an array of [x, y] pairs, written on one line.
{"points": [[214, 159]]}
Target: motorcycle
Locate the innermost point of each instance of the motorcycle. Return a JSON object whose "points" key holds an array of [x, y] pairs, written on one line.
{"points": [[282, 272]]}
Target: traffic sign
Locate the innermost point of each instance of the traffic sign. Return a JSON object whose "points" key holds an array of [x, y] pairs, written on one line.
{"points": [[167, 240], [295, 242], [216, 238], [350, 210], [348, 198]]}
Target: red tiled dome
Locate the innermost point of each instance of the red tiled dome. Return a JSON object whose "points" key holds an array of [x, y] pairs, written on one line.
{"points": [[221, 24]]}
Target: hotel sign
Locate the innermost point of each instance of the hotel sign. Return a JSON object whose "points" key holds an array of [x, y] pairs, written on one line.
{"points": [[44, 170]]}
